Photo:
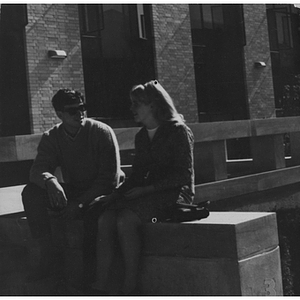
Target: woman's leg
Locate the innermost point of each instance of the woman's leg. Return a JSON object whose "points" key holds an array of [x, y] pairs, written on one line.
{"points": [[129, 226], [106, 239]]}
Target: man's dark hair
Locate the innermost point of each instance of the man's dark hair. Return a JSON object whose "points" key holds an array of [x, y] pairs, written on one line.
{"points": [[66, 97]]}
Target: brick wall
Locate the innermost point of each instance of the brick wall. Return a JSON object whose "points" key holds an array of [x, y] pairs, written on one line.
{"points": [[174, 56], [51, 26], [259, 80], [56, 26]]}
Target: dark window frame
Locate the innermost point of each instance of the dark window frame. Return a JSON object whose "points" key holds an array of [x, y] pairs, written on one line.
{"points": [[286, 17], [86, 25]]}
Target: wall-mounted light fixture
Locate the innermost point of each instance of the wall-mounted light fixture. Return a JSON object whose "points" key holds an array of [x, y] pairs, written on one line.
{"points": [[57, 54], [259, 64]]}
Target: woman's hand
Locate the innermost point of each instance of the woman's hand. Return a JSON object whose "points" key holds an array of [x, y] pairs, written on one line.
{"points": [[105, 200], [139, 192], [100, 199]]}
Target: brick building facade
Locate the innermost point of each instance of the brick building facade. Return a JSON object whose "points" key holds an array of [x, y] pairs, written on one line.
{"points": [[204, 55], [174, 56], [51, 27], [259, 80]]}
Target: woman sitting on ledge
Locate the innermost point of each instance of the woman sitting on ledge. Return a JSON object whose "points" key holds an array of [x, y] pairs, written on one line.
{"points": [[162, 175]]}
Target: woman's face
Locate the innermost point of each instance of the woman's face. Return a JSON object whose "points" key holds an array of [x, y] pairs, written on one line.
{"points": [[142, 112]]}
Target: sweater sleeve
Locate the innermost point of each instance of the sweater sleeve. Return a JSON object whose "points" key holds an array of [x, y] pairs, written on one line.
{"points": [[109, 173], [45, 162], [182, 170]]}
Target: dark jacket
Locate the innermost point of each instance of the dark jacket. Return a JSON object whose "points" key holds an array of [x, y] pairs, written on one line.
{"points": [[166, 162]]}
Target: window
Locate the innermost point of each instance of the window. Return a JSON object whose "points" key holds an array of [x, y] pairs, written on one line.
{"points": [[117, 53], [206, 16], [217, 17], [282, 24], [92, 19], [218, 38], [284, 30], [141, 21], [196, 16]]}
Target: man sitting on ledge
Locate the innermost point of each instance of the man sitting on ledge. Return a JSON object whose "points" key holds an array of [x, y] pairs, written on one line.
{"points": [[88, 154]]}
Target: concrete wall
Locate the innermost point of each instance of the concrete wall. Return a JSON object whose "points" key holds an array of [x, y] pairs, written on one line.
{"points": [[51, 26], [285, 197], [174, 56], [259, 80]]}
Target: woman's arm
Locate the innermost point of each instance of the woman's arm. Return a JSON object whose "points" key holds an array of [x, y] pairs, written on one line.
{"points": [[182, 170]]}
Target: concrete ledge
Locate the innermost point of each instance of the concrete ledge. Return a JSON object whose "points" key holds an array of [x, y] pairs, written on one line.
{"points": [[229, 253], [11, 200], [233, 235]]}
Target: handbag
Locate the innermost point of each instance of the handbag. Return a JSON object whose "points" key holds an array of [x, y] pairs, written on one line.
{"points": [[183, 212]]}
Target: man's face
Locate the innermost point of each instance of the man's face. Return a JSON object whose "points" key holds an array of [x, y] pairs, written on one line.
{"points": [[73, 115]]}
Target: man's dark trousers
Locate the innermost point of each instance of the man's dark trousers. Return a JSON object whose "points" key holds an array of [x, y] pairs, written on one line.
{"points": [[36, 204]]}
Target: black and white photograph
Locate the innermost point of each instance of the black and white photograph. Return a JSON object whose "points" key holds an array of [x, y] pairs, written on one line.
{"points": [[149, 149]]}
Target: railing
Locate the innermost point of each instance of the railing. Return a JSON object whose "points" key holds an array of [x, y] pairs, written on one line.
{"points": [[269, 167]]}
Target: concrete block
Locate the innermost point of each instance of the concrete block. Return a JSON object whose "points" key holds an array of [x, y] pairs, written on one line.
{"points": [[183, 276], [14, 231], [233, 235], [261, 274], [229, 253], [11, 200]]}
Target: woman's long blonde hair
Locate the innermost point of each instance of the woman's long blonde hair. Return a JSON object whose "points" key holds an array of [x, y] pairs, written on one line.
{"points": [[153, 93]]}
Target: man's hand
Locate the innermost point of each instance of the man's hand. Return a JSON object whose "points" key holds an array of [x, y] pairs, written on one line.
{"points": [[56, 193]]}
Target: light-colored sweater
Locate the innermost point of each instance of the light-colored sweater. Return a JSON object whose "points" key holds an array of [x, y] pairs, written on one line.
{"points": [[90, 161]]}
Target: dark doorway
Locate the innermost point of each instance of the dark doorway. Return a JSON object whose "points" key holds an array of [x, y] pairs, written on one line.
{"points": [[218, 41], [117, 53], [14, 104]]}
